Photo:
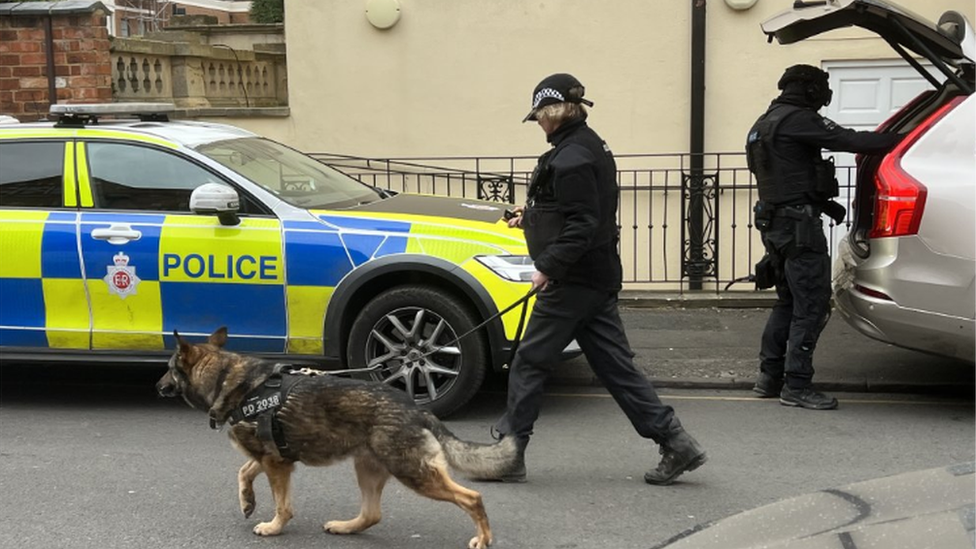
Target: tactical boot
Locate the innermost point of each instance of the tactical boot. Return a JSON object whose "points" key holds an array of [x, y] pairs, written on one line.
{"points": [[767, 386], [516, 473], [806, 398], [680, 453]]}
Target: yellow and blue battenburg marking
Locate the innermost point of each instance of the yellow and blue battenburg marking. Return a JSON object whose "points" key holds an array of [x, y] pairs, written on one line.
{"points": [[318, 257], [41, 285], [269, 282], [193, 276]]}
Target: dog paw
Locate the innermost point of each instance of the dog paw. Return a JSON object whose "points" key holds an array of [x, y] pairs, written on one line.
{"points": [[479, 542], [342, 527], [267, 529], [247, 509], [247, 504]]}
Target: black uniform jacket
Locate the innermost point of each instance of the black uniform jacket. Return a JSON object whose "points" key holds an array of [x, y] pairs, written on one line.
{"points": [[584, 189], [805, 133]]}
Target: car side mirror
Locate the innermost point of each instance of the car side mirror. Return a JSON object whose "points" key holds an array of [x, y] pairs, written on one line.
{"points": [[216, 199]]}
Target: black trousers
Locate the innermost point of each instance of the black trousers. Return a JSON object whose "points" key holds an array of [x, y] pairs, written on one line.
{"points": [[560, 314], [802, 306]]}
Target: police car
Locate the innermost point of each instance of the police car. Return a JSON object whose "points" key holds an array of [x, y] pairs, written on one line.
{"points": [[115, 233]]}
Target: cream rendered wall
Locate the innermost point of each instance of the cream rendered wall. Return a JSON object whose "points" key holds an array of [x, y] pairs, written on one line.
{"points": [[454, 77]]}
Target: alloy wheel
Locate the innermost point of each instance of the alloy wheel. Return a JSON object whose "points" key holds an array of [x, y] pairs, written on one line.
{"points": [[405, 347]]}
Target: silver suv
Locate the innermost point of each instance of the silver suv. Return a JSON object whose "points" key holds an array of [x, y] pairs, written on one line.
{"points": [[906, 274]]}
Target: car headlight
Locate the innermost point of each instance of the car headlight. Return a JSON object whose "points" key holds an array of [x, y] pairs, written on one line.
{"points": [[518, 268]]}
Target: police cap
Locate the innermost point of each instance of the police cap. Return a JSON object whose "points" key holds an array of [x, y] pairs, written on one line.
{"points": [[556, 88]]}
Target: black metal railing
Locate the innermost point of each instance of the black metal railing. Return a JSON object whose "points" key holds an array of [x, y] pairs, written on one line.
{"points": [[659, 195]]}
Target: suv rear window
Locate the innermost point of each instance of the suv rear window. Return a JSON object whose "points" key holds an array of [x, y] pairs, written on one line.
{"points": [[31, 174]]}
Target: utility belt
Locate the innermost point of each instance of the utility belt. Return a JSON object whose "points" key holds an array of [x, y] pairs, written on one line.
{"points": [[764, 212], [807, 235], [800, 212]]}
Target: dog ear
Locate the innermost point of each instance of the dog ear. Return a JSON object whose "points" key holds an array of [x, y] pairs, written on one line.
{"points": [[185, 349], [219, 337]]}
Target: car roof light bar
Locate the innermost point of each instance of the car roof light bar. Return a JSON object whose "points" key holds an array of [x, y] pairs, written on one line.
{"points": [[83, 114]]}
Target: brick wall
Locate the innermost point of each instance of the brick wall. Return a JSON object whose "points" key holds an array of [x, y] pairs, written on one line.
{"points": [[82, 63]]}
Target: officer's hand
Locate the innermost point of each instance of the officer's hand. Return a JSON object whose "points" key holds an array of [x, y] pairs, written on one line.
{"points": [[539, 280], [515, 220]]}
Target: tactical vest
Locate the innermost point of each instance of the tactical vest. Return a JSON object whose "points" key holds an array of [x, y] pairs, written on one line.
{"points": [[541, 221], [782, 179]]}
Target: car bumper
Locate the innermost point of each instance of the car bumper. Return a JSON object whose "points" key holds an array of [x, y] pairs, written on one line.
{"points": [[888, 321]]}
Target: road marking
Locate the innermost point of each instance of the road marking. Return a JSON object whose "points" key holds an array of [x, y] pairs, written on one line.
{"points": [[767, 400]]}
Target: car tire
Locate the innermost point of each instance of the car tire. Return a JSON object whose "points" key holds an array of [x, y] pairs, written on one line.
{"points": [[402, 328]]}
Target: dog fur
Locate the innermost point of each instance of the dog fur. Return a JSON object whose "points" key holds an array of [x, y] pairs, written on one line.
{"points": [[325, 419]]}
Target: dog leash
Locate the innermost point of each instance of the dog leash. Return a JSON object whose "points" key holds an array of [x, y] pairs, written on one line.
{"points": [[523, 301]]}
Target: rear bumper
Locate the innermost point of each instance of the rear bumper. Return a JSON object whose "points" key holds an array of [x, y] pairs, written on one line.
{"points": [[888, 321]]}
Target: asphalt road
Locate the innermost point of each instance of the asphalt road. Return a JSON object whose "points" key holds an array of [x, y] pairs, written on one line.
{"points": [[100, 462]]}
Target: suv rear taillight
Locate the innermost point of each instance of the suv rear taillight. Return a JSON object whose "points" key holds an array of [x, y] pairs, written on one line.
{"points": [[900, 197]]}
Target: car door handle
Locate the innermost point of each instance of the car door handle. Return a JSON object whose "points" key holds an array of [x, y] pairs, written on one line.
{"points": [[116, 234]]}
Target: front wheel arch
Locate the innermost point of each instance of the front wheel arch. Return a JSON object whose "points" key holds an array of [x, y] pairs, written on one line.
{"points": [[408, 332], [366, 282]]}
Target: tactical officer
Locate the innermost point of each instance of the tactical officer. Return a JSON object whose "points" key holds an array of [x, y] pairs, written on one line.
{"points": [[571, 231], [795, 187]]}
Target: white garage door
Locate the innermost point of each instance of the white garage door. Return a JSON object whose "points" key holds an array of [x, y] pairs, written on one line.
{"points": [[865, 95]]}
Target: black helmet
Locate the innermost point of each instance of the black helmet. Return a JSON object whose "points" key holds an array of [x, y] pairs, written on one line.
{"points": [[813, 82]]}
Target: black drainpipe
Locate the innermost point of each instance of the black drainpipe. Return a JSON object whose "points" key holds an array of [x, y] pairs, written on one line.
{"points": [[696, 206], [52, 92]]}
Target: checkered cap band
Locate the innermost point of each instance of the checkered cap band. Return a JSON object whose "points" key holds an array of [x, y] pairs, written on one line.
{"points": [[544, 93]]}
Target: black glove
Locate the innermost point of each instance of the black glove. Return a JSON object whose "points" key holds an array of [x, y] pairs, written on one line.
{"points": [[834, 211]]}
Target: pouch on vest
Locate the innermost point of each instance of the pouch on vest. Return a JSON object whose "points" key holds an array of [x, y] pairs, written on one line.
{"points": [[826, 177], [542, 224]]}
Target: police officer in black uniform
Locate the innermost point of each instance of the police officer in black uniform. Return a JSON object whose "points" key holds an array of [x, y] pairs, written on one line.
{"points": [[795, 188], [571, 231]]}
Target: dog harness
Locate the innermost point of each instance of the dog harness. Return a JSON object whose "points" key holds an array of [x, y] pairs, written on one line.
{"points": [[262, 404]]}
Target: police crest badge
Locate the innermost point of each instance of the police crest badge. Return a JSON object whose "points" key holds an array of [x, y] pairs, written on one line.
{"points": [[121, 278]]}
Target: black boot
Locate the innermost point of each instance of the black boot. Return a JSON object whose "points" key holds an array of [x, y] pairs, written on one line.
{"points": [[680, 453], [806, 398], [767, 386], [516, 473]]}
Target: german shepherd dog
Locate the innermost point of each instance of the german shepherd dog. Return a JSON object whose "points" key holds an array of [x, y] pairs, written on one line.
{"points": [[324, 419]]}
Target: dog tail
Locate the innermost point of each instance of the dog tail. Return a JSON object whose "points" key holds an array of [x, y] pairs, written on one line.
{"points": [[475, 458]]}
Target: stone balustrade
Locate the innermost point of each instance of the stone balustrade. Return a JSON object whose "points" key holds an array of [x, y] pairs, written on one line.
{"points": [[179, 67]]}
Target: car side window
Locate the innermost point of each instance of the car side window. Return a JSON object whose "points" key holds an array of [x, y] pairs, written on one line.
{"points": [[133, 177], [30, 174]]}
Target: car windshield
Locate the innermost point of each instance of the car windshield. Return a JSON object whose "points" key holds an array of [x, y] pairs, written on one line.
{"points": [[290, 175]]}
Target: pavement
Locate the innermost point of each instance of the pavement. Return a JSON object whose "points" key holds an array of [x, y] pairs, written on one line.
{"points": [[922, 509], [711, 341]]}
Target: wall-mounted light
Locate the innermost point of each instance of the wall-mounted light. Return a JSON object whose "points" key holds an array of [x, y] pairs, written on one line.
{"points": [[740, 4], [382, 14]]}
